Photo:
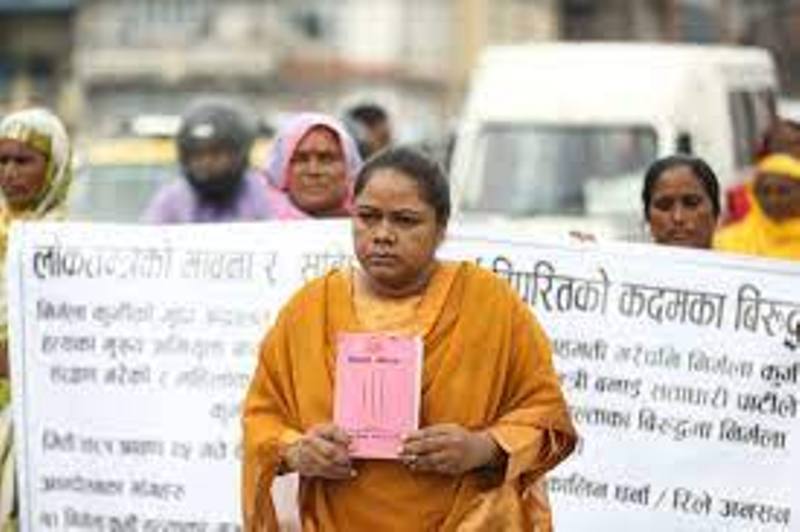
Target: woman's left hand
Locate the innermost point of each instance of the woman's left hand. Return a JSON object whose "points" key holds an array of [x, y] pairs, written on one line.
{"points": [[449, 449]]}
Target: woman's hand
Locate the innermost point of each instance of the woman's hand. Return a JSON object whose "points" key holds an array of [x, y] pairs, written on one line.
{"points": [[321, 452], [449, 449]]}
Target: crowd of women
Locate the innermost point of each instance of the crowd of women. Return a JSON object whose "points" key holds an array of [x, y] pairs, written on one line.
{"points": [[493, 418], [682, 206]]}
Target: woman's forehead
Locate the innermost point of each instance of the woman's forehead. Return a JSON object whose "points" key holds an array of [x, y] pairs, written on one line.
{"points": [[319, 133], [18, 147], [28, 134], [778, 178], [394, 185]]}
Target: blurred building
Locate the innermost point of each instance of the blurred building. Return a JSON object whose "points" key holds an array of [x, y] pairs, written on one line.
{"points": [[774, 24], [651, 20], [138, 57], [479, 23], [413, 56], [393, 52], [36, 43]]}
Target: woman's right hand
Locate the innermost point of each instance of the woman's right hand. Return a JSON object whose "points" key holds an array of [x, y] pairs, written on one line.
{"points": [[321, 452]]}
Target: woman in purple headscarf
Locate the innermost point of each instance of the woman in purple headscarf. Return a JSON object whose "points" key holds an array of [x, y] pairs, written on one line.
{"points": [[311, 169]]}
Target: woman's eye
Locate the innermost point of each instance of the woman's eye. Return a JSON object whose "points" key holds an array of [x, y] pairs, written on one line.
{"points": [[692, 201], [663, 204], [367, 217], [406, 221]]}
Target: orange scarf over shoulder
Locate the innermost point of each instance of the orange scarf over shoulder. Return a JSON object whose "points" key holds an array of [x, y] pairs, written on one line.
{"points": [[487, 366]]}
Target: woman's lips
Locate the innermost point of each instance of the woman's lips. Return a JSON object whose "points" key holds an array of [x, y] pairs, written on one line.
{"points": [[682, 235], [382, 259]]}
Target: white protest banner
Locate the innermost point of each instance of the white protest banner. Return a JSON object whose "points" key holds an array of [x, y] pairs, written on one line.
{"points": [[681, 370], [132, 348], [139, 344]]}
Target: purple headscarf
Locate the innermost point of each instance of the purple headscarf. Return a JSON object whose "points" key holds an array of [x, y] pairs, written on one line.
{"points": [[277, 167]]}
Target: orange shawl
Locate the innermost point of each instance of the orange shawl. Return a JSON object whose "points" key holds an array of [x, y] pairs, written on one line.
{"points": [[487, 366]]}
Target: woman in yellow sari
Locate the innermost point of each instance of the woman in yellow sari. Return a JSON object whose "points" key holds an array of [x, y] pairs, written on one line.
{"points": [[493, 418], [772, 226], [35, 173]]}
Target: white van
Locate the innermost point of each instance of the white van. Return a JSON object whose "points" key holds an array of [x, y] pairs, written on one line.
{"points": [[559, 135]]}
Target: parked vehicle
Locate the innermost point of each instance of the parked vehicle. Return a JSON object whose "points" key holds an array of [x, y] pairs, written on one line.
{"points": [[559, 135]]}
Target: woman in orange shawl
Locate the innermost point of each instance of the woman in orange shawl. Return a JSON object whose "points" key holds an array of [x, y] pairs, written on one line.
{"points": [[492, 414], [772, 226]]}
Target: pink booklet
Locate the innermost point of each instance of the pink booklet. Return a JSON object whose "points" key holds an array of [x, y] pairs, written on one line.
{"points": [[377, 396]]}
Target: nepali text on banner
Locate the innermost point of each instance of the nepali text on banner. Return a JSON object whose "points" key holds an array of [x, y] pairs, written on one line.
{"points": [[132, 348]]}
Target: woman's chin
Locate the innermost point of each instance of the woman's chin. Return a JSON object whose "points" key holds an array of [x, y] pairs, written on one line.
{"points": [[690, 243], [383, 274]]}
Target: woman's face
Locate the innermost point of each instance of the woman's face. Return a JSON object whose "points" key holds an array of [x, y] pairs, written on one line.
{"points": [[778, 196], [317, 180], [395, 230], [680, 211], [22, 173]]}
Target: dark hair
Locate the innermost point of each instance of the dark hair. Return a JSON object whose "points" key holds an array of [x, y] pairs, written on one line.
{"points": [[368, 114], [770, 140], [428, 175], [701, 170]]}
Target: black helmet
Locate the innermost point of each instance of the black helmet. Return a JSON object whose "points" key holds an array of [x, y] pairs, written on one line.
{"points": [[221, 121], [216, 119]]}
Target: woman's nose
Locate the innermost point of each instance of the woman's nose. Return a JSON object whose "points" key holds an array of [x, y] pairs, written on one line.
{"points": [[315, 166], [8, 169], [678, 214], [384, 232]]}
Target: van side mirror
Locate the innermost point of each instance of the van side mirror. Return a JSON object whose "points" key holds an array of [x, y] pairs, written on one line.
{"points": [[683, 144]]}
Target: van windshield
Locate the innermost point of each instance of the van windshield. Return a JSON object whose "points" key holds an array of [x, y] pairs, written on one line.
{"points": [[559, 170]]}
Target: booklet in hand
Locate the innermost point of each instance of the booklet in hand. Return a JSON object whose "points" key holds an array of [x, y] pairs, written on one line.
{"points": [[377, 396]]}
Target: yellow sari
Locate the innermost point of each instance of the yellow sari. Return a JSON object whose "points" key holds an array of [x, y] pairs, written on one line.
{"points": [[42, 131], [757, 234], [487, 366]]}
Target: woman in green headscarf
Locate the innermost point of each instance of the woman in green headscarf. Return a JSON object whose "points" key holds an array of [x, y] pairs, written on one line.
{"points": [[35, 173]]}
